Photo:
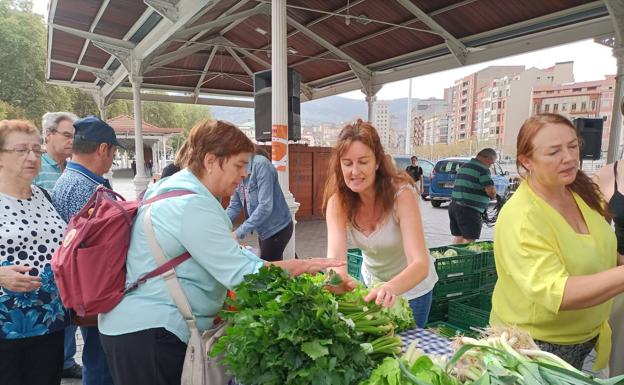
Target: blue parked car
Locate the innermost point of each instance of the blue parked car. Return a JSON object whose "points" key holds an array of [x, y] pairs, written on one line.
{"points": [[443, 179], [402, 161]]}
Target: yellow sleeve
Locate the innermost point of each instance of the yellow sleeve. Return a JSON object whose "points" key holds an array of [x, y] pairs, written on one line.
{"points": [[529, 258]]}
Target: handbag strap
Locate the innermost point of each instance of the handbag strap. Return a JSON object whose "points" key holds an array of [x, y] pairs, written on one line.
{"points": [[170, 277]]}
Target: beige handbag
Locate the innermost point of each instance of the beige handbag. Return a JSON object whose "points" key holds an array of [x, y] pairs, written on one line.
{"points": [[198, 369]]}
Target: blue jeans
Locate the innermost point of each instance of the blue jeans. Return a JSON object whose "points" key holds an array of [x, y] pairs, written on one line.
{"points": [[420, 307], [69, 347], [94, 366]]}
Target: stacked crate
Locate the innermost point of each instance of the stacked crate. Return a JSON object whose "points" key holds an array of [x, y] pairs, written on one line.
{"points": [[354, 263], [460, 277], [473, 312], [462, 296]]}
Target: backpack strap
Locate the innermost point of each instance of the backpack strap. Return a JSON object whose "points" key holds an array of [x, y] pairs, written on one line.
{"points": [[168, 194], [164, 265], [170, 277], [47, 194]]}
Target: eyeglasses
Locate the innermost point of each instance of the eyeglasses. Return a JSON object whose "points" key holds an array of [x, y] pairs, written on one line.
{"points": [[67, 135], [38, 151]]}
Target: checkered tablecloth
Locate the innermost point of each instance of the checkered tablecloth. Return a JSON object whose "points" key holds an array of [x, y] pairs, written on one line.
{"points": [[428, 341]]}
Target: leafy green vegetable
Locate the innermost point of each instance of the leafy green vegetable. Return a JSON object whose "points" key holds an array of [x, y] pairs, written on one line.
{"points": [[292, 331]]}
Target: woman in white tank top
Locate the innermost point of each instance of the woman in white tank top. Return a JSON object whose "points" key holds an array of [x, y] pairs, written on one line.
{"points": [[367, 198]]}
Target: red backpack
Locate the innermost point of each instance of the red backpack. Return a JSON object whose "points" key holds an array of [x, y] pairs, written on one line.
{"points": [[90, 265]]}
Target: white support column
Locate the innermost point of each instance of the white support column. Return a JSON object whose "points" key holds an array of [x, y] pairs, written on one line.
{"points": [[279, 108], [164, 153], [408, 128], [155, 158], [615, 135], [140, 179], [370, 100]]}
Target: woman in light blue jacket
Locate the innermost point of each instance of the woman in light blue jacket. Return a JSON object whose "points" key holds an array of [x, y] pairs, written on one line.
{"points": [[264, 207]]}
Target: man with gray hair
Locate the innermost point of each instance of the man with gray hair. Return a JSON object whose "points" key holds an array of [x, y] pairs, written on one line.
{"points": [[472, 192], [58, 130]]}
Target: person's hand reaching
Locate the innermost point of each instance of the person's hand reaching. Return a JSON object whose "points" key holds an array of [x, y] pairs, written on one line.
{"points": [[383, 295]]}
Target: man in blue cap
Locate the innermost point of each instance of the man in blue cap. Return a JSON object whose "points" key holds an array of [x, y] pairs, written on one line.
{"points": [[93, 150]]}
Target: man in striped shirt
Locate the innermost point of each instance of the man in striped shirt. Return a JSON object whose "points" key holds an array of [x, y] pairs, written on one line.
{"points": [[59, 135], [472, 192]]}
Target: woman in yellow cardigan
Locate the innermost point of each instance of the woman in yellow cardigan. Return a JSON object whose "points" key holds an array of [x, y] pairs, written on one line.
{"points": [[555, 252]]}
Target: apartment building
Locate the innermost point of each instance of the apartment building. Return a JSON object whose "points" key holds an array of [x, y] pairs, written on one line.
{"points": [[382, 121], [504, 103], [430, 120], [578, 100], [464, 99]]}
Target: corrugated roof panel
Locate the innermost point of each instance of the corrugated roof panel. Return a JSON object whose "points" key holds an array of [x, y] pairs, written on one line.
{"points": [[95, 57], [77, 14], [119, 17]]}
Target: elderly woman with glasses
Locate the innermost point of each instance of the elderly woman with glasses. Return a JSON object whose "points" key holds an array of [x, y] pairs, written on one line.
{"points": [[32, 318]]}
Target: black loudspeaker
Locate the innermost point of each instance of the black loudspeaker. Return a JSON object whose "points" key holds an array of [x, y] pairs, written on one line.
{"points": [[262, 101], [590, 130]]}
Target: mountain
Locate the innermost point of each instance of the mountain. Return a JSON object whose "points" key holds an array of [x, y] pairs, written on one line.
{"points": [[332, 109]]}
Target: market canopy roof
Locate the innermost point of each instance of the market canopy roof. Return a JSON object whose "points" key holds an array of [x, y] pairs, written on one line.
{"points": [[212, 47]]}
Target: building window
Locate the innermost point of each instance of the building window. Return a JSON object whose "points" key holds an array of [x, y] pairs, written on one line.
{"points": [[493, 106], [499, 105], [498, 117], [573, 108], [503, 104], [555, 107], [593, 105], [564, 106], [536, 108], [500, 94], [546, 107], [583, 106], [507, 92]]}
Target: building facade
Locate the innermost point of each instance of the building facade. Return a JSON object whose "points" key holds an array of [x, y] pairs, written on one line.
{"points": [[578, 100]]}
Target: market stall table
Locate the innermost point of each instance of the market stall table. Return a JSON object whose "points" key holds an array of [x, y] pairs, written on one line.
{"points": [[428, 341]]}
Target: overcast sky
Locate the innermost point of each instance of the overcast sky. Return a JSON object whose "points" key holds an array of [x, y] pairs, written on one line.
{"points": [[591, 62]]}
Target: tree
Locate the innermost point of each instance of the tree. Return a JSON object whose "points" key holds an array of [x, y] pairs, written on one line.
{"points": [[25, 94], [160, 114]]}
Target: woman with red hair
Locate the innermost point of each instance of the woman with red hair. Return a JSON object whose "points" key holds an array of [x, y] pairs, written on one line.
{"points": [[555, 251], [368, 200]]}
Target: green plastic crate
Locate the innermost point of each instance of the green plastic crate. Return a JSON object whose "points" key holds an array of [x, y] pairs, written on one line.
{"points": [[457, 286], [472, 312], [439, 310], [354, 263], [449, 331], [487, 256], [355, 251], [466, 262], [488, 278]]}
